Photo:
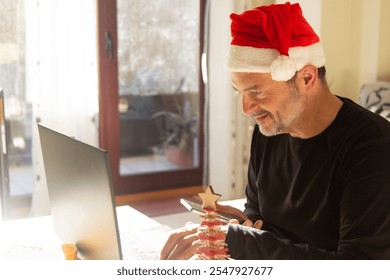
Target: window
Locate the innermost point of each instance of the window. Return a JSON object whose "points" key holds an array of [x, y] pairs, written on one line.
{"points": [[18, 106], [48, 71], [151, 92]]}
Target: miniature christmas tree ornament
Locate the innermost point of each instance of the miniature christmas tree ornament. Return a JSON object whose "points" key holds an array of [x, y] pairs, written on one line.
{"points": [[212, 244]]}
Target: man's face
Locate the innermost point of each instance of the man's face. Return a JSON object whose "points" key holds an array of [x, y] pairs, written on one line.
{"points": [[275, 106]]}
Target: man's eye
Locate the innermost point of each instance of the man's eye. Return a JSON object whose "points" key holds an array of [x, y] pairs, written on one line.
{"points": [[255, 92]]}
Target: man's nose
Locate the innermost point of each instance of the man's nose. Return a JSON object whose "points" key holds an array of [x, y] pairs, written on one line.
{"points": [[249, 104]]}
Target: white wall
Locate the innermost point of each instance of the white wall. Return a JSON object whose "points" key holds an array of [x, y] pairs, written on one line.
{"points": [[350, 34], [229, 130], [220, 98], [384, 43]]}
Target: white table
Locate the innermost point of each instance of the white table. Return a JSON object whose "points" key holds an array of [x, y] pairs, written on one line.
{"points": [[35, 239]]}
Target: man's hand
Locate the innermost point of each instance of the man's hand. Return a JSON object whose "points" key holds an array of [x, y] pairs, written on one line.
{"points": [[240, 216], [181, 244], [258, 224]]}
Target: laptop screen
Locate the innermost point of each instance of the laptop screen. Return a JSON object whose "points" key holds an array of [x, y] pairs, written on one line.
{"points": [[81, 195]]}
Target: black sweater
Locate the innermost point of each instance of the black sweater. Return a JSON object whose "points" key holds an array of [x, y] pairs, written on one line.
{"points": [[327, 197]]}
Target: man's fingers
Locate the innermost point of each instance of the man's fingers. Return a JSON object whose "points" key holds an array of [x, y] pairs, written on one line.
{"points": [[258, 224], [174, 239], [169, 245], [233, 222], [185, 248], [227, 209], [248, 223]]}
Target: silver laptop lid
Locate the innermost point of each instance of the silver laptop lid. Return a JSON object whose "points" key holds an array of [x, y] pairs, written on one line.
{"points": [[81, 195]]}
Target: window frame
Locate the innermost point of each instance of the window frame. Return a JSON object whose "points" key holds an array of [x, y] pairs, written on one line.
{"points": [[109, 123]]}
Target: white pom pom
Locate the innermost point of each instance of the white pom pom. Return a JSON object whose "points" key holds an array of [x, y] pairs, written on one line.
{"points": [[283, 68]]}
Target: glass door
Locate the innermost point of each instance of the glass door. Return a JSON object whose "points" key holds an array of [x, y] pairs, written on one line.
{"points": [[151, 92], [158, 77]]}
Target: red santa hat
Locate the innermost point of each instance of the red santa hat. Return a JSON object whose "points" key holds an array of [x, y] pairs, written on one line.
{"points": [[273, 39]]}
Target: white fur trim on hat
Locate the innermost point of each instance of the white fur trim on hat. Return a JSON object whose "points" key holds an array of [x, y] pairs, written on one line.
{"points": [[282, 68]]}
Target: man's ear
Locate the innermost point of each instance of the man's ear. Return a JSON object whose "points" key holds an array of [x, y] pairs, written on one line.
{"points": [[307, 78], [309, 74]]}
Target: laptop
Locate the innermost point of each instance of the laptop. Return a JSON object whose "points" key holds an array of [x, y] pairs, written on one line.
{"points": [[83, 205]]}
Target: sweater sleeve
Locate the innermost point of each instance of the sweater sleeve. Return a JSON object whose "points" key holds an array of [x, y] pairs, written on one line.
{"points": [[251, 190], [246, 243], [252, 204]]}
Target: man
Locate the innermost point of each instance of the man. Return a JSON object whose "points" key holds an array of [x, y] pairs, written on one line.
{"points": [[319, 173]]}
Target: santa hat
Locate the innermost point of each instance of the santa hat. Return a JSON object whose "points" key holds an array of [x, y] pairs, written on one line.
{"points": [[273, 39]]}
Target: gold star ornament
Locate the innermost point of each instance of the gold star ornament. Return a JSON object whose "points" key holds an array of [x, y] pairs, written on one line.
{"points": [[209, 199]]}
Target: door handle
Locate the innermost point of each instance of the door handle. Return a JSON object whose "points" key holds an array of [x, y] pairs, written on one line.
{"points": [[109, 45]]}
